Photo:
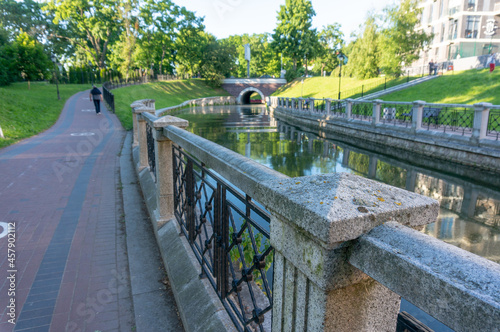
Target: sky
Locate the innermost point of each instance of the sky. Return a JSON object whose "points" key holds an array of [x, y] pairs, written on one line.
{"points": [[224, 18]]}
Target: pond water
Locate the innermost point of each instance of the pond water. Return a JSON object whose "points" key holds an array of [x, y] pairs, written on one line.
{"points": [[470, 207]]}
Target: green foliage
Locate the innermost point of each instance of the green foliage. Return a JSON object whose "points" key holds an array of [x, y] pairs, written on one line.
{"points": [[264, 60], [23, 16], [24, 113], [400, 41], [262, 244], [294, 36], [217, 62], [32, 63], [91, 27], [330, 44], [363, 58], [8, 55]]}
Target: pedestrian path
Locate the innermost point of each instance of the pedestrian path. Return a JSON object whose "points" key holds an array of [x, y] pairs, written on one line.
{"points": [[63, 261]]}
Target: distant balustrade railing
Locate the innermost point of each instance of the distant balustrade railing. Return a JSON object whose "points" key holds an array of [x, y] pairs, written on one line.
{"points": [[465, 120], [338, 245]]}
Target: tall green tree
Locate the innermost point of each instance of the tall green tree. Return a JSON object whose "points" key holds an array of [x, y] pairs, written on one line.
{"points": [[32, 63], [294, 36], [23, 16], [190, 44], [363, 56], [90, 27], [217, 61], [330, 43], [400, 41]]}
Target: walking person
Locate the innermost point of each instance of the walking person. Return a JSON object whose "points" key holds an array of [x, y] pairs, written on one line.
{"points": [[431, 67], [95, 95]]}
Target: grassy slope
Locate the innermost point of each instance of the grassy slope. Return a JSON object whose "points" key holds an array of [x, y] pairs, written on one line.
{"points": [[166, 94], [24, 113], [327, 87], [466, 87]]}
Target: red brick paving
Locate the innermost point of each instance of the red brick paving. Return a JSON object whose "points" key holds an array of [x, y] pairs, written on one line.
{"points": [[40, 184]]}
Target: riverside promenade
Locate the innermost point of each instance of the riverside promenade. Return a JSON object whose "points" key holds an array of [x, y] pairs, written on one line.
{"points": [[70, 259]]}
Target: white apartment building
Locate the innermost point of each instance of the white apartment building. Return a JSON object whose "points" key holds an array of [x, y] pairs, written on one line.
{"points": [[461, 28]]}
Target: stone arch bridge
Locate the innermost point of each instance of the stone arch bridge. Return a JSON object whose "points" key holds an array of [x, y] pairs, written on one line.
{"points": [[243, 88]]}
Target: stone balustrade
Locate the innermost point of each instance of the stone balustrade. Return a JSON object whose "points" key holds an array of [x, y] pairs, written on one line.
{"points": [[344, 246]]}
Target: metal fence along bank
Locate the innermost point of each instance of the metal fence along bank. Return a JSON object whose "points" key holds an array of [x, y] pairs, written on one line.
{"points": [[247, 248]]}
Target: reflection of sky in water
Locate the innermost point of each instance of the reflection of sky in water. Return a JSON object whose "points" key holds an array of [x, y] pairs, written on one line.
{"points": [[294, 153]]}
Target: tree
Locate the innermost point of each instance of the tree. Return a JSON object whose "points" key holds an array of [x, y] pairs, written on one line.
{"points": [[217, 61], [294, 36], [400, 41], [363, 57], [23, 16], [331, 42], [91, 27], [32, 62], [8, 54], [189, 45]]}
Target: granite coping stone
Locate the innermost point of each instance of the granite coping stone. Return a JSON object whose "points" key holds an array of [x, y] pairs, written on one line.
{"points": [[341, 207]]}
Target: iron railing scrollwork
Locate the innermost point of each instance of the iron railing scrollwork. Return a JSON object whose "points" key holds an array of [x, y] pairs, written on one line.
{"points": [[151, 149], [229, 236], [494, 124]]}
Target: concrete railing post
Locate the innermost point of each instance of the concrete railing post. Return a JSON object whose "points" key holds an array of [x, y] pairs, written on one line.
{"points": [[313, 222], [348, 108], [417, 112], [164, 168], [481, 117], [293, 103], [286, 102], [328, 106], [376, 111], [301, 103], [141, 134], [312, 109]]}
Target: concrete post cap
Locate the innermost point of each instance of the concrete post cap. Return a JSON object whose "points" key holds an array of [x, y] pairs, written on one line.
{"points": [[335, 208]]}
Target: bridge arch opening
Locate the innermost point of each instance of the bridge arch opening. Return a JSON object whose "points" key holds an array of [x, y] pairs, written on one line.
{"points": [[244, 96]]}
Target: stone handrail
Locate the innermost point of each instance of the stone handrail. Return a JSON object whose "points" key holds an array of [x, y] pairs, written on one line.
{"points": [[479, 127], [343, 253]]}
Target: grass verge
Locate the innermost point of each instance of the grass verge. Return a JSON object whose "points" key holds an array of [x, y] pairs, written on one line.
{"points": [[24, 113], [165, 94], [465, 87]]}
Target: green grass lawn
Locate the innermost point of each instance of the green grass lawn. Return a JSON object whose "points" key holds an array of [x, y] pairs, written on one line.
{"points": [[465, 87], [165, 94], [24, 113], [328, 87]]}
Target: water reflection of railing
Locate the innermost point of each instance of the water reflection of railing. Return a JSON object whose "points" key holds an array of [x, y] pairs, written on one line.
{"points": [[329, 234]]}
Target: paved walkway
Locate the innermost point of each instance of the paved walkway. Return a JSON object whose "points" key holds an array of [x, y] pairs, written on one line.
{"points": [[61, 216]]}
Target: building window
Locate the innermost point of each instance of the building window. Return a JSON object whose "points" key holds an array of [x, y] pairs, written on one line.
{"points": [[471, 5], [431, 10], [472, 27], [452, 29], [454, 6], [443, 27], [441, 7]]}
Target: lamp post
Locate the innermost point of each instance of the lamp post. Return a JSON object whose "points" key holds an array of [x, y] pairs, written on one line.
{"points": [[54, 60], [91, 73], [341, 58]]}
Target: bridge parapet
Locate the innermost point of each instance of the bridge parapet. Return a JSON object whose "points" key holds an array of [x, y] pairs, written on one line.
{"points": [[342, 255], [242, 88]]}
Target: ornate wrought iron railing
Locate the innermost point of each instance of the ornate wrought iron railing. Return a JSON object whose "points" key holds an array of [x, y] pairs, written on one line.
{"points": [[229, 235], [494, 124], [396, 114], [151, 149], [362, 110]]}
